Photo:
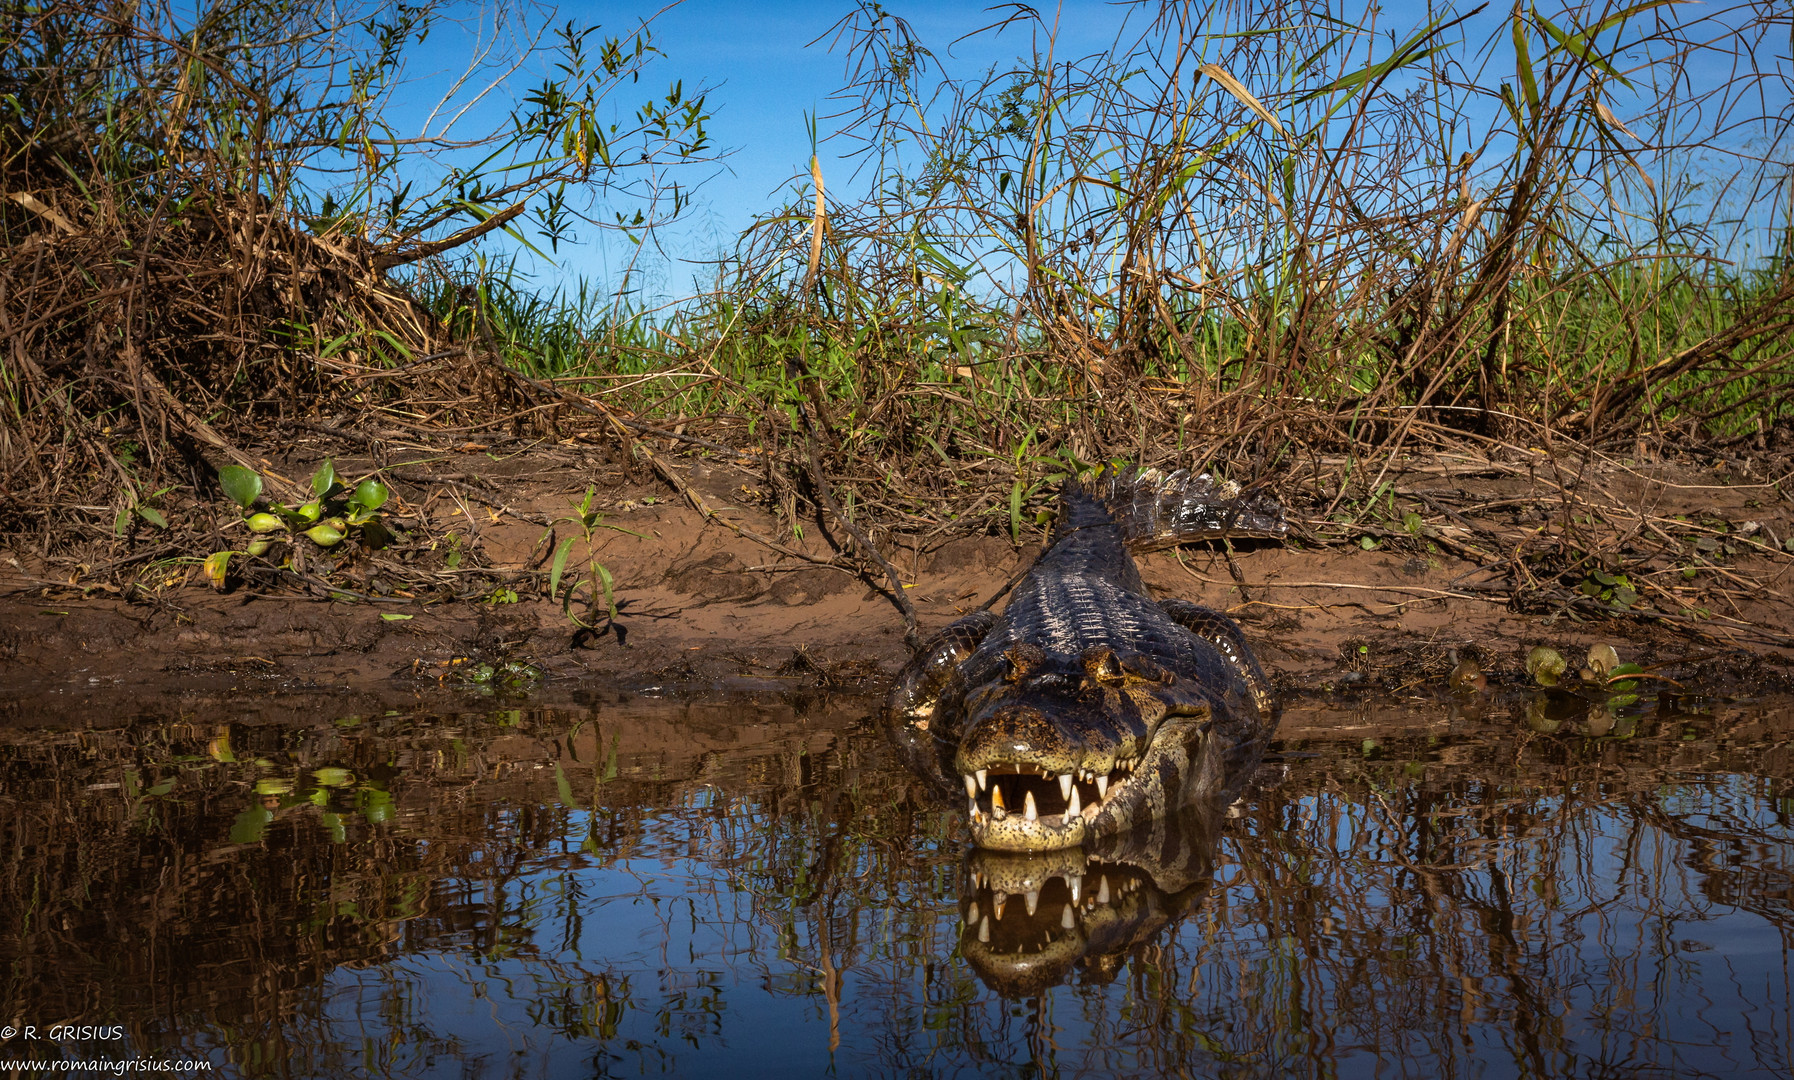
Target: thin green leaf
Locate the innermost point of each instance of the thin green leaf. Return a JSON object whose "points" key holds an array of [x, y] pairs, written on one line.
{"points": [[610, 597], [1523, 66], [558, 567]]}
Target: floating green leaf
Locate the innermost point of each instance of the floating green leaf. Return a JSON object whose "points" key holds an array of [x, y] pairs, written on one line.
{"points": [[1602, 659], [249, 825], [1546, 665]]}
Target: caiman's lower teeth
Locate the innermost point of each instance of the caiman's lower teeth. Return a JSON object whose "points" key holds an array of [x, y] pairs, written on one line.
{"points": [[1033, 900], [972, 914], [1066, 918], [1072, 809], [1028, 810], [984, 931], [972, 807]]}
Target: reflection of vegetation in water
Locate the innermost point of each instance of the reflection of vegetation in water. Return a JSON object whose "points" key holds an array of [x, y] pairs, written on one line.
{"points": [[668, 886]]}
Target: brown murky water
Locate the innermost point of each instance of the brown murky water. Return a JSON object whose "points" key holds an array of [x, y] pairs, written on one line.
{"points": [[744, 887]]}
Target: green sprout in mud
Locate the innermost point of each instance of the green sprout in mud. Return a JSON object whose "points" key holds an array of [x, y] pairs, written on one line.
{"points": [[335, 512], [597, 579]]}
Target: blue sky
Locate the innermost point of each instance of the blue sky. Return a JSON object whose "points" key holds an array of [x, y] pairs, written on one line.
{"points": [[771, 64]]}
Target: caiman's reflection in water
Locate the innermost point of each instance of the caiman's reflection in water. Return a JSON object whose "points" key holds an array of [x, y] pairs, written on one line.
{"points": [[731, 887], [1032, 920]]}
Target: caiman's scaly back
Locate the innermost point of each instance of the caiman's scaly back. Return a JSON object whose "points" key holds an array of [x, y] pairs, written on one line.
{"points": [[1087, 707]]}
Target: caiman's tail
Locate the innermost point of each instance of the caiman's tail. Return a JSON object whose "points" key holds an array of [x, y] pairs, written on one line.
{"points": [[1159, 510]]}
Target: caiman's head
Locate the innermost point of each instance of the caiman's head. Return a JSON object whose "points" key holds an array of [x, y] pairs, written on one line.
{"points": [[1059, 750]]}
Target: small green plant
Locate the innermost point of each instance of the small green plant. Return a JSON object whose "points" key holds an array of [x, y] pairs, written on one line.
{"points": [[1612, 589], [335, 512], [597, 579], [140, 508]]}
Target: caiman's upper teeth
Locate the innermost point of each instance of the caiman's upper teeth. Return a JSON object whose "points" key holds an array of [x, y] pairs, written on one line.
{"points": [[971, 787], [1077, 885], [1028, 810], [981, 774], [1072, 809], [1065, 785], [1033, 900], [997, 904], [1102, 787]]}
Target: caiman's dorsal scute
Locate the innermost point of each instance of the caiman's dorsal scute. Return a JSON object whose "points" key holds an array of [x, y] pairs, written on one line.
{"points": [[1088, 707]]}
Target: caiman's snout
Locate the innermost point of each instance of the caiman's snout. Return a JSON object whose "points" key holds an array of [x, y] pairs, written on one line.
{"points": [[1038, 768]]}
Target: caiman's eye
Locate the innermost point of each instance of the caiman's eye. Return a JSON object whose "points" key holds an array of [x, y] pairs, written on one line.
{"points": [[1020, 659], [1101, 665], [1143, 668]]}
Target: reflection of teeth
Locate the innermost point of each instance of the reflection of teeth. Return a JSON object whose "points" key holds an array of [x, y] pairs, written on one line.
{"points": [[1066, 918], [1102, 892], [984, 931], [1102, 787], [1032, 897], [1072, 808], [981, 774], [971, 787], [1065, 788], [1028, 810]]}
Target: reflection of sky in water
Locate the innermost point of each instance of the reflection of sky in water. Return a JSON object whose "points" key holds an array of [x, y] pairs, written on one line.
{"points": [[1350, 932], [748, 889]]}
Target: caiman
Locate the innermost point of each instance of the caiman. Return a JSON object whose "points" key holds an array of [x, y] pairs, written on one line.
{"points": [[1087, 708]]}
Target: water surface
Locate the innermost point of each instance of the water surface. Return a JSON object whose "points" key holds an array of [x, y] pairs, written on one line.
{"points": [[745, 886]]}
